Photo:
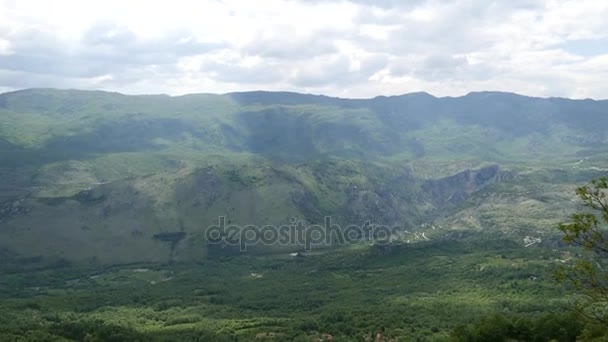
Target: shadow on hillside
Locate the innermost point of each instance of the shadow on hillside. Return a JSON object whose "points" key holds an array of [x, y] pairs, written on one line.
{"points": [[125, 136]]}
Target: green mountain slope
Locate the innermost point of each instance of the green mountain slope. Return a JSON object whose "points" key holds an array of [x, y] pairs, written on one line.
{"points": [[100, 177]]}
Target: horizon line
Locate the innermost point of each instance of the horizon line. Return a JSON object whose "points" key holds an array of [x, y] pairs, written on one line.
{"points": [[302, 94]]}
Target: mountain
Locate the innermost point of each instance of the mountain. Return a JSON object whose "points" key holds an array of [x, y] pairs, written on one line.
{"points": [[101, 177]]}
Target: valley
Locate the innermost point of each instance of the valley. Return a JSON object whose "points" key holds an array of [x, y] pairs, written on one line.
{"points": [[107, 203], [422, 291], [99, 174]]}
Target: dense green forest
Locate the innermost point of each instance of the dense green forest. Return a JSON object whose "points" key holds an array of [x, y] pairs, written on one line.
{"points": [[471, 290]]}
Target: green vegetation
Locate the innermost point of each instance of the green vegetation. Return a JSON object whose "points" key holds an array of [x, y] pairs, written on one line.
{"points": [[588, 272], [105, 200], [426, 291], [57, 142], [550, 327]]}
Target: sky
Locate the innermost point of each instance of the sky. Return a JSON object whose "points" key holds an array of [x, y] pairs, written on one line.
{"points": [[356, 48]]}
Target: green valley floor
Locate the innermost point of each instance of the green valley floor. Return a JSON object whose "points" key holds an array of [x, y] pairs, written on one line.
{"points": [[439, 290]]}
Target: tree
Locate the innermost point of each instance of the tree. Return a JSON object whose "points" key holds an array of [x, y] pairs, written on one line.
{"points": [[588, 272]]}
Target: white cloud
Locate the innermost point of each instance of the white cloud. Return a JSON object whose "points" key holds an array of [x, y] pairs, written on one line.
{"points": [[354, 48]]}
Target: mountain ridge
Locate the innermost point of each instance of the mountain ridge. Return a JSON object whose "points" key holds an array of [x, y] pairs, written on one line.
{"points": [[282, 92], [157, 161]]}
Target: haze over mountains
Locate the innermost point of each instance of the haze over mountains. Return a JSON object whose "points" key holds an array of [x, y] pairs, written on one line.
{"points": [[97, 177]]}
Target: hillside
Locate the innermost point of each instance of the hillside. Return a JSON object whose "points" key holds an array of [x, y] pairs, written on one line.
{"points": [[103, 177]]}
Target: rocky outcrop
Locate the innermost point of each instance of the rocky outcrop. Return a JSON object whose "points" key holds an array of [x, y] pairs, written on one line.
{"points": [[89, 196], [9, 209], [458, 187]]}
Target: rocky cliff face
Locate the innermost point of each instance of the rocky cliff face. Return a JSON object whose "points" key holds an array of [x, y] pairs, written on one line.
{"points": [[11, 208], [458, 187]]}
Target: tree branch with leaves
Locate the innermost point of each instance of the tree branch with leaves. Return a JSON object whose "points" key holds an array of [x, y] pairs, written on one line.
{"points": [[588, 272]]}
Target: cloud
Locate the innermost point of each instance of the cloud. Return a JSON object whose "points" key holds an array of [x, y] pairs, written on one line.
{"points": [[358, 48], [232, 72], [339, 70], [103, 50], [287, 44], [379, 3]]}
